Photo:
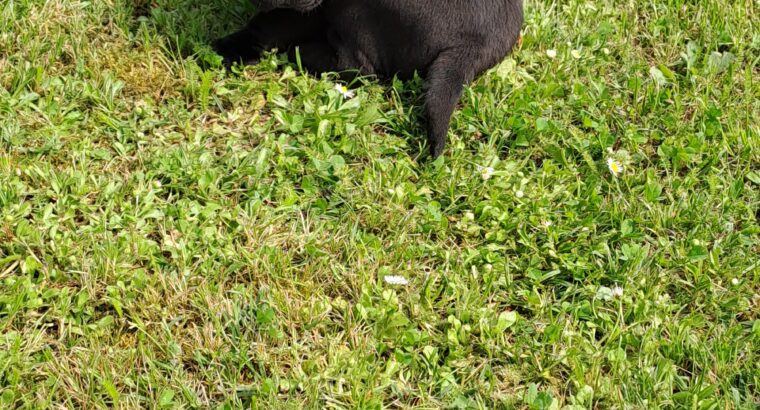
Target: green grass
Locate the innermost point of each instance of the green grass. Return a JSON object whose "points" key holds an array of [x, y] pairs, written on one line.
{"points": [[173, 236]]}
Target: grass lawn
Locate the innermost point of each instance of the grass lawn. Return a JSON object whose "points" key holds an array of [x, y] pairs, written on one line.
{"points": [[172, 236]]}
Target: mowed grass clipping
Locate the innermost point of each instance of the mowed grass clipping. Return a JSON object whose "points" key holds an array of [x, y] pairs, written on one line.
{"points": [[174, 236]]}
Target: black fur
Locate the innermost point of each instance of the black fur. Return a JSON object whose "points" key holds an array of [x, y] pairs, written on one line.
{"points": [[449, 42]]}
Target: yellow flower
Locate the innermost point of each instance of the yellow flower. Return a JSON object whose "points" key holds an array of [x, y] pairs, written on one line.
{"points": [[615, 167]]}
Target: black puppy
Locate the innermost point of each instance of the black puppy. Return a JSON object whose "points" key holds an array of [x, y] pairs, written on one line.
{"points": [[448, 42]]}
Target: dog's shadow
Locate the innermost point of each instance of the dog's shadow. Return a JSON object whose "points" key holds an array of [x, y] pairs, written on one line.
{"points": [[190, 26]]}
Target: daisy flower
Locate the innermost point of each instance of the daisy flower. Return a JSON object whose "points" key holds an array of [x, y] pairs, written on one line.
{"points": [[396, 280], [344, 91], [615, 167]]}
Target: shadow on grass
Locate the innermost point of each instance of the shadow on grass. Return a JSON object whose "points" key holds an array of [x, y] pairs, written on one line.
{"points": [[189, 26]]}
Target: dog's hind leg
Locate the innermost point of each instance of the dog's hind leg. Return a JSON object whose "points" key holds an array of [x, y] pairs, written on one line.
{"points": [[444, 82]]}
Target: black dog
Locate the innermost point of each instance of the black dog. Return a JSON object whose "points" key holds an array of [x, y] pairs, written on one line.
{"points": [[448, 42]]}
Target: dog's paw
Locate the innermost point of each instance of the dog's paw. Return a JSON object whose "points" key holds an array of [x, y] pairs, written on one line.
{"points": [[228, 50]]}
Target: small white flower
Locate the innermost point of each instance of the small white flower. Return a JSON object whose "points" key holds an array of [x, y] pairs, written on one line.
{"points": [[735, 281], [576, 54], [617, 291], [519, 194], [485, 172], [469, 216], [396, 280], [615, 167], [344, 91], [606, 51], [547, 223], [551, 53]]}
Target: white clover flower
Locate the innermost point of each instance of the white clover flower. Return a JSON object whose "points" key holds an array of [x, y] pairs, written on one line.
{"points": [[617, 291], [485, 172], [551, 53], [344, 91], [519, 194], [396, 280], [576, 54], [615, 167], [735, 281], [606, 51]]}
